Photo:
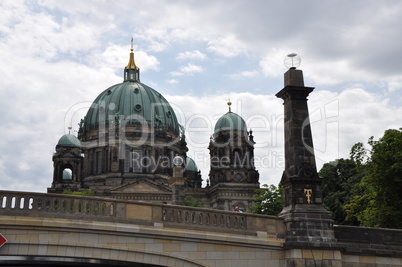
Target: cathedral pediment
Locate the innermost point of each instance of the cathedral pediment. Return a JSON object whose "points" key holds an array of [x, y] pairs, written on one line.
{"points": [[141, 186]]}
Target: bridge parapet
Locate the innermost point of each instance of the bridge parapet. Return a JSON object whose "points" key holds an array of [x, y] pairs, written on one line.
{"points": [[13, 203], [56, 205], [222, 221]]}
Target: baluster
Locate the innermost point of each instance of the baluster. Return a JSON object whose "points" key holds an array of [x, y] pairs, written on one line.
{"points": [[96, 208], [228, 221], [47, 204], [22, 204], [200, 218], [179, 216], [13, 202], [207, 218], [56, 205], [111, 210], [30, 203], [187, 216], [171, 215], [4, 202], [89, 207]]}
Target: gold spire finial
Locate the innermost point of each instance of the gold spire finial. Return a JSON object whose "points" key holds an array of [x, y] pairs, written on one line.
{"points": [[229, 104], [131, 62], [69, 128]]}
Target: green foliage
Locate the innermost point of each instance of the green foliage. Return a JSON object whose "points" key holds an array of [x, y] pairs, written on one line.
{"points": [[268, 200], [366, 189], [191, 202], [340, 184], [87, 192], [358, 154], [383, 182]]}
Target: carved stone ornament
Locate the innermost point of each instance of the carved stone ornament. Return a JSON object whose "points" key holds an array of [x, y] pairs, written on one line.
{"points": [[308, 173]]}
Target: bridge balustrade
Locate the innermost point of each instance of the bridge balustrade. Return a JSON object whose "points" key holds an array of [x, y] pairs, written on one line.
{"points": [[204, 218], [55, 205], [13, 203]]}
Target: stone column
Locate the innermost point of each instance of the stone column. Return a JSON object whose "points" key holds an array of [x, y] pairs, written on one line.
{"points": [[177, 183], [308, 223]]}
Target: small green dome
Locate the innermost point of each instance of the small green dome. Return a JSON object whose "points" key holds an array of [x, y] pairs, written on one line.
{"points": [[135, 100], [69, 140], [190, 165], [230, 121]]}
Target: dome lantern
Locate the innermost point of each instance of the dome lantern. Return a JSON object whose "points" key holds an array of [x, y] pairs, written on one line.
{"points": [[131, 71]]}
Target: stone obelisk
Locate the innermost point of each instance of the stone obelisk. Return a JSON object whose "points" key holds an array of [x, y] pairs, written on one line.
{"points": [[308, 223]]}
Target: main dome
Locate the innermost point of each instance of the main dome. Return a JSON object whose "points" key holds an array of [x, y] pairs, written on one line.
{"points": [[132, 100]]}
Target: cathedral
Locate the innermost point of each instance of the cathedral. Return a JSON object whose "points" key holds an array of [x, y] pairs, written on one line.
{"points": [[131, 146]]}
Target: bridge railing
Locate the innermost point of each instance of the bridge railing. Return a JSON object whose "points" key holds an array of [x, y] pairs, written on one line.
{"points": [[13, 203], [193, 217], [55, 205]]}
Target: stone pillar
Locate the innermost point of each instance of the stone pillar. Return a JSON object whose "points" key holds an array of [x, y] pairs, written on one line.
{"points": [[178, 181], [308, 223]]}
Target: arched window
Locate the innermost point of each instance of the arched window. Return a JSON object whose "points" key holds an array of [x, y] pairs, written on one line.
{"points": [[67, 175], [135, 161], [237, 161]]}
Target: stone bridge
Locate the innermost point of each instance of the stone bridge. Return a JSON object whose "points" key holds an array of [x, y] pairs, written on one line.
{"points": [[49, 229]]}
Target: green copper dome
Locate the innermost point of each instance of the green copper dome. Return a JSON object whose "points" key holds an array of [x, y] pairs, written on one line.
{"points": [[131, 102], [230, 121], [190, 165], [69, 140]]}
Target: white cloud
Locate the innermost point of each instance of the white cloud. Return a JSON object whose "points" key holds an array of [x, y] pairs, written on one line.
{"points": [[112, 58], [244, 74], [228, 46], [40, 34], [394, 86], [189, 69], [272, 63], [343, 119], [191, 55], [173, 81], [176, 73]]}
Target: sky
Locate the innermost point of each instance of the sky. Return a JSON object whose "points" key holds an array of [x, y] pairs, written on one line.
{"points": [[57, 56]]}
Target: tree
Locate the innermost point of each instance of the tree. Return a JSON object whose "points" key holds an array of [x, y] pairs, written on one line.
{"points": [[268, 200], [340, 184], [191, 202], [379, 202], [383, 183]]}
